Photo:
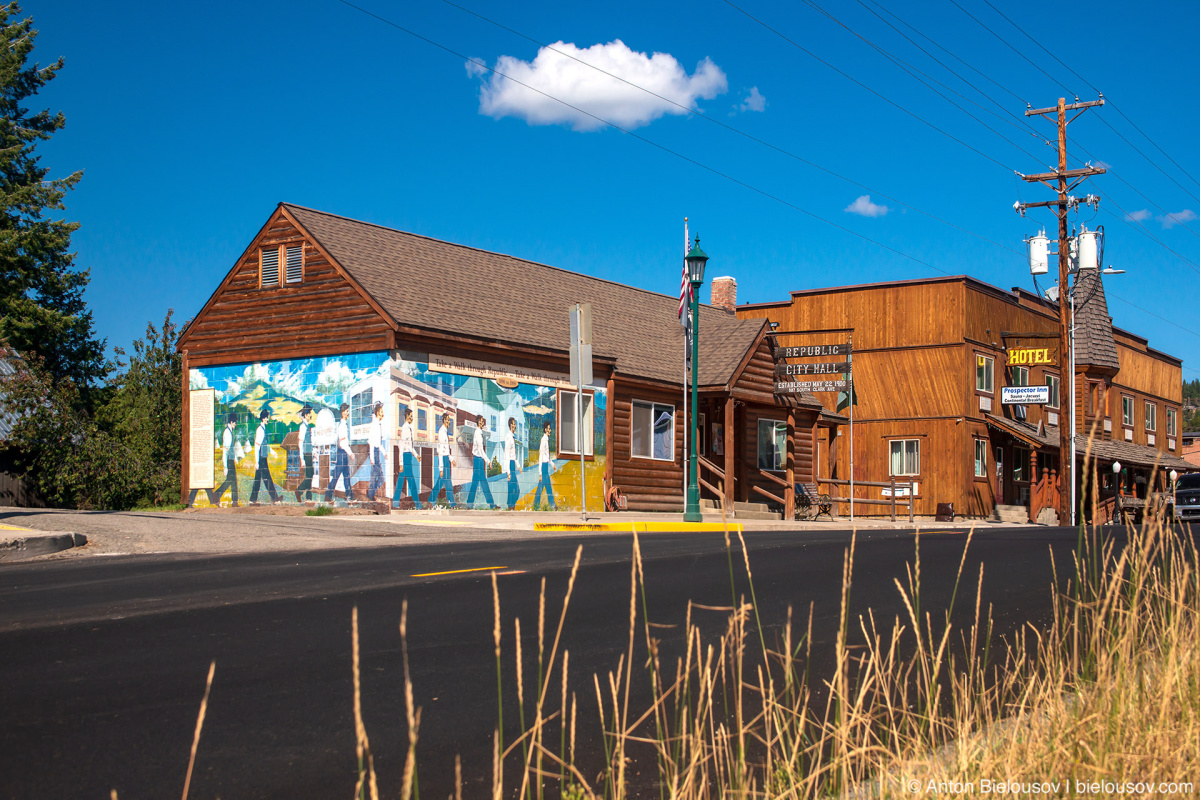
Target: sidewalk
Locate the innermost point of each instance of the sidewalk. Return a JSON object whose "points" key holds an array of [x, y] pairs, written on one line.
{"points": [[28, 533]]}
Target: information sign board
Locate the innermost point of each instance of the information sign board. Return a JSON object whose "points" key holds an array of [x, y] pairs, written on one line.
{"points": [[813, 368], [789, 387], [1024, 395], [812, 350]]}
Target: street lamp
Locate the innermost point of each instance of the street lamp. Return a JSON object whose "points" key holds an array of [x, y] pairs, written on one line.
{"points": [[696, 259]]}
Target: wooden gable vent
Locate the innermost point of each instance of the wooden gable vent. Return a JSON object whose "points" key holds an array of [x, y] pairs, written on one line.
{"points": [[270, 266], [295, 263]]}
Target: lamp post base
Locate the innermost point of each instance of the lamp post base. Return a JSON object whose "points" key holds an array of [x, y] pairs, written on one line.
{"points": [[691, 511]]}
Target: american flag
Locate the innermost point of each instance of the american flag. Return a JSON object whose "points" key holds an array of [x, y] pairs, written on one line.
{"points": [[685, 285]]}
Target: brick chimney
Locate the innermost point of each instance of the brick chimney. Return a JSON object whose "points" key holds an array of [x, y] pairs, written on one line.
{"points": [[724, 293]]}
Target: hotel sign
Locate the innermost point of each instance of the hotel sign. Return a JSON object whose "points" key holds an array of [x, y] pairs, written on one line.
{"points": [[1025, 395], [1029, 356]]}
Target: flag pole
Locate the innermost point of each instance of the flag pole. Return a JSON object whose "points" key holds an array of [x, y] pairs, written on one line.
{"points": [[686, 328]]}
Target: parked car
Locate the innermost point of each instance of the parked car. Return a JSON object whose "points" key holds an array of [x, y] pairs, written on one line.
{"points": [[1187, 497]]}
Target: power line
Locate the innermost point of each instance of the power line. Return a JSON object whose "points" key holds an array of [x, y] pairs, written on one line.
{"points": [[910, 69], [1151, 141], [1129, 220], [887, 100], [947, 52], [1156, 166], [645, 140], [1009, 46], [728, 127]]}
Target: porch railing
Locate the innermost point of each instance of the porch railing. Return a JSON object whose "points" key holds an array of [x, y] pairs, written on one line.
{"points": [[717, 489], [777, 480], [1043, 493], [893, 501]]}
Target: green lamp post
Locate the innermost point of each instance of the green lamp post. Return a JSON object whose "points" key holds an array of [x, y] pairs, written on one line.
{"points": [[696, 259]]}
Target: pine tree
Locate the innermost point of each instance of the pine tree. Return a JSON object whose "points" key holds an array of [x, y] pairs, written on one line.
{"points": [[42, 309]]}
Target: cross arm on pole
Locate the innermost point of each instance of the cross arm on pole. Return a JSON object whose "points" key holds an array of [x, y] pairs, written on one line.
{"points": [[1069, 107]]}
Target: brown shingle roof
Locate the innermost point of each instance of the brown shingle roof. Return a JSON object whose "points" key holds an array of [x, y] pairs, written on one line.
{"points": [[1125, 452], [1094, 343], [439, 286]]}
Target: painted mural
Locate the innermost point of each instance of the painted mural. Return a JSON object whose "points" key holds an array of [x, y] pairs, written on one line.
{"points": [[396, 429]]}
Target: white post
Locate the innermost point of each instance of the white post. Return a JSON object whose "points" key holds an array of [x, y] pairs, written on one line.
{"points": [[582, 459], [850, 357], [1071, 485]]}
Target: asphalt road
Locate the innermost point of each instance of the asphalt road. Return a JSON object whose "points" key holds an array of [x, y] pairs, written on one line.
{"points": [[104, 659]]}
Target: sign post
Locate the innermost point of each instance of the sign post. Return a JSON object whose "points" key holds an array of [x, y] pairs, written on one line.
{"points": [[581, 375], [819, 376]]}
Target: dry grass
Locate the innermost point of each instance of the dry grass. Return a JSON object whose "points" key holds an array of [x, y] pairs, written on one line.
{"points": [[1109, 692]]}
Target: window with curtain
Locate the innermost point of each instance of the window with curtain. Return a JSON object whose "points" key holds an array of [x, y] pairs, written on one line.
{"points": [[905, 457], [772, 444]]}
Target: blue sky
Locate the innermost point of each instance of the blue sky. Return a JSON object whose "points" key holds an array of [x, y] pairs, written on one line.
{"points": [[191, 121]]}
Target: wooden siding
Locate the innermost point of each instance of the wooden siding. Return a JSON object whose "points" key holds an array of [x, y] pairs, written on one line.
{"points": [[648, 484], [1149, 376], [324, 314]]}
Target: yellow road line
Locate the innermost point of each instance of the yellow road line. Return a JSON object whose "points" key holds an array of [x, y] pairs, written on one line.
{"points": [[925, 532], [4, 527], [635, 527], [457, 571]]}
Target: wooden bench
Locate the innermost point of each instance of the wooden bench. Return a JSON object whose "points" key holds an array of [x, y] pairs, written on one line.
{"points": [[810, 501]]}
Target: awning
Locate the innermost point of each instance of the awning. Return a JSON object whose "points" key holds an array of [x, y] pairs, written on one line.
{"points": [[1127, 453]]}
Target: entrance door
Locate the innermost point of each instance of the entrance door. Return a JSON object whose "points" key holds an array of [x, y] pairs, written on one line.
{"points": [[999, 461]]}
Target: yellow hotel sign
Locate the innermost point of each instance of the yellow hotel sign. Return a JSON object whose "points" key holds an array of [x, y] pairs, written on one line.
{"points": [[1029, 356]]}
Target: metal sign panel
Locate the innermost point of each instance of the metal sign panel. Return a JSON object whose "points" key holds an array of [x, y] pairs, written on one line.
{"points": [[814, 368], [1024, 395], [791, 387], [812, 350], [581, 344]]}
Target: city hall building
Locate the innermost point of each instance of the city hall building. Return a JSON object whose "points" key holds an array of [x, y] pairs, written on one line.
{"points": [[341, 361], [931, 360]]}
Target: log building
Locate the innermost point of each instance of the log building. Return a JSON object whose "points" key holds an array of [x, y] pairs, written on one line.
{"points": [[931, 360], [328, 332]]}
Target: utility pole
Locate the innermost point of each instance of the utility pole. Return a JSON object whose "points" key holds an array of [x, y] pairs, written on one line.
{"points": [[1064, 181]]}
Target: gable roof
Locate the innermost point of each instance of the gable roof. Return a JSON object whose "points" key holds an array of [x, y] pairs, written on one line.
{"points": [[449, 288]]}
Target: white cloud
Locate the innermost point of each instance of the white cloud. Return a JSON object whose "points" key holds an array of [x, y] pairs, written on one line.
{"points": [[475, 67], [585, 88], [754, 101], [1177, 218], [1137, 216], [197, 380], [865, 208]]}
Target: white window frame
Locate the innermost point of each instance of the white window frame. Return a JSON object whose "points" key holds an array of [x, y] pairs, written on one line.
{"points": [[653, 411], [988, 364], [1054, 383], [1020, 376], [263, 254], [571, 448], [1151, 416], [1170, 422], [907, 469], [1127, 411], [780, 455], [981, 449]]}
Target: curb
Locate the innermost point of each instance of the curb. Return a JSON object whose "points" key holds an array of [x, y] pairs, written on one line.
{"points": [[637, 527], [21, 548]]}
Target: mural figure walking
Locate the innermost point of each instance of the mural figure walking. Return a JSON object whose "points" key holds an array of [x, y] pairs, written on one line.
{"points": [[262, 475], [378, 442], [510, 459], [479, 466], [304, 448], [341, 468], [544, 465], [408, 478], [443, 456]]}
